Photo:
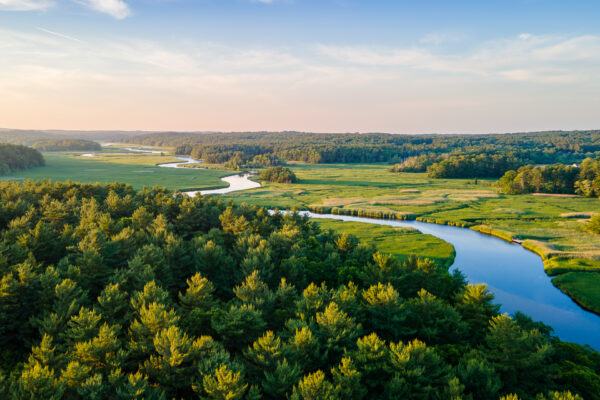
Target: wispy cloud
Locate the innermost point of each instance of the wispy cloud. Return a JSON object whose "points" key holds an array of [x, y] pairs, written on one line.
{"points": [[58, 34], [115, 8], [24, 5], [523, 58], [201, 85]]}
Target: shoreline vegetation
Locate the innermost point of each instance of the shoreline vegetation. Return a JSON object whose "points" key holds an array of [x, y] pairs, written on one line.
{"points": [[552, 265]]}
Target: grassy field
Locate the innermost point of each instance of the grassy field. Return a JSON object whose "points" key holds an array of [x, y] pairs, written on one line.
{"points": [[551, 226], [400, 242], [136, 169]]}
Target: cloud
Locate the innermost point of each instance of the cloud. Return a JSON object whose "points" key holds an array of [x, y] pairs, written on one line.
{"points": [[58, 34], [24, 5], [526, 57], [115, 8], [508, 84]]}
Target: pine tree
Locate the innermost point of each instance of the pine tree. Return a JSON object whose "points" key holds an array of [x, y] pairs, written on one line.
{"points": [[314, 387], [224, 384]]}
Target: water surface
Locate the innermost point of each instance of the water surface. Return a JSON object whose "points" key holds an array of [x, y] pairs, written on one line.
{"points": [[515, 275]]}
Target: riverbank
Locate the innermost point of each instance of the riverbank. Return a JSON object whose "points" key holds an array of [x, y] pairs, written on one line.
{"points": [[514, 274], [553, 227]]}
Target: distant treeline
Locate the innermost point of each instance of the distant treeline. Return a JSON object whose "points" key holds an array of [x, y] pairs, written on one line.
{"points": [[557, 178], [534, 148], [66, 145], [17, 157], [29, 137]]}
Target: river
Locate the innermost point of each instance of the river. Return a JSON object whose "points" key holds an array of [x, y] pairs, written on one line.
{"points": [[515, 275], [235, 182]]}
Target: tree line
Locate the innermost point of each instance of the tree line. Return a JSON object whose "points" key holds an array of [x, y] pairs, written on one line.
{"points": [[67, 145], [17, 157], [536, 148], [556, 178], [111, 293]]}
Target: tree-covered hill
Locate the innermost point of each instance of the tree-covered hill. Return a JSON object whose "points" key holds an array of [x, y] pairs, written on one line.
{"points": [[17, 157], [109, 293], [67, 145]]}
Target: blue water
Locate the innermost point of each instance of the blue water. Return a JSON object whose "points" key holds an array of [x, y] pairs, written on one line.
{"points": [[516, 277]]}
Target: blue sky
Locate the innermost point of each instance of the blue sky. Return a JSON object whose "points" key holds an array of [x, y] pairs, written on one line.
{"points": [[329, 65]]}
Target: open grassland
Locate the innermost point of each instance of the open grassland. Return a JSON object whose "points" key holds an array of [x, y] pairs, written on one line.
{"points": [[400, 242], [581, 286], [552, 226], [138, 170]]}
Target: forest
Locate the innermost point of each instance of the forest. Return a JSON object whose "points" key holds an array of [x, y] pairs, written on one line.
{"points": [[583, 180], [67, 145], [278, 174], [17, 157], [111, 293], [529, 148]]}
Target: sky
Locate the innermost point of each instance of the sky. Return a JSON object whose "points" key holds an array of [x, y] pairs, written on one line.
{"points": [[429, 66]]}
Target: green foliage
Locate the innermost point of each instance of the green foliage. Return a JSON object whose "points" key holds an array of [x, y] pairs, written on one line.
{"points": [[594, 224], [17, 157], [555, 178], [474, 166], [278, 174], [416, 163], [155, 295]]}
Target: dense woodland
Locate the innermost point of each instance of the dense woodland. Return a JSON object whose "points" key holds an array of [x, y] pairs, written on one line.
{"points": [[278, 174], [557, 178], [109, 293], [67, 145], [476, 166], [527, 148], [17, 157]]}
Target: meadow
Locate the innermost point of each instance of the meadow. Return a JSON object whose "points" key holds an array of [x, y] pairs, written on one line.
{"points": [[402, 243], [138, 170], [551, 226]]}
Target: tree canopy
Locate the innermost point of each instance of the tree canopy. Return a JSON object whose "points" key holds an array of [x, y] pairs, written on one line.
{"points": [[557, 178], [278, 174], [534, 148], [110, 293], [17, 157]]}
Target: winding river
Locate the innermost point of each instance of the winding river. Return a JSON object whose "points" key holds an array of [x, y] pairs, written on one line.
{"points": [[235, 182], [516, 276]]}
